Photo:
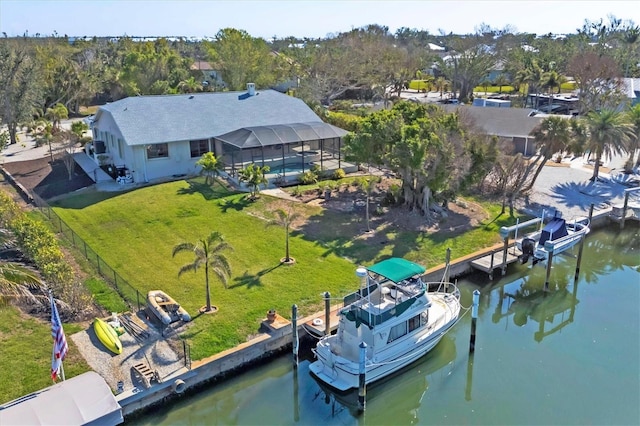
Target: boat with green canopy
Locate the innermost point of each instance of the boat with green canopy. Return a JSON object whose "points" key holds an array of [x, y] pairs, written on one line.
{"points": [[398, 316]]}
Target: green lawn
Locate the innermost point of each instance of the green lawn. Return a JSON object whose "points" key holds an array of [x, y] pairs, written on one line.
{"points": [[25, 351], [135, 232]]}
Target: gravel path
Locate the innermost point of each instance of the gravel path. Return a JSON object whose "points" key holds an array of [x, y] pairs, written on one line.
{"points": [[155, 351]]}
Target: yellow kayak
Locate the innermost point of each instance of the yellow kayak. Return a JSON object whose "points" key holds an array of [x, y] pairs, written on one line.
{"points": [[107, 335]]}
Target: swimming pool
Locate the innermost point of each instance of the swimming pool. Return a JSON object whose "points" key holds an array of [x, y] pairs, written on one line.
{"points": [[288, 169]]}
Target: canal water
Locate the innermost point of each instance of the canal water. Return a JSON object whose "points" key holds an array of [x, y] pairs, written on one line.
{"points": [[568, 357]]}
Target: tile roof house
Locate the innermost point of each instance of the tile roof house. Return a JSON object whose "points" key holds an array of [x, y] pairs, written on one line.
{"points": [[151, 137]]}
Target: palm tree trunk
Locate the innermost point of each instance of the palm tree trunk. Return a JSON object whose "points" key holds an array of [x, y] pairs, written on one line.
{"points": [[287, 244], [206, 273]]}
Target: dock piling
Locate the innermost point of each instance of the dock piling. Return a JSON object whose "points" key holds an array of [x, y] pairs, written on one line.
{"points": [[624, 209], [362, 384], [294, 329], [575, 278], [327, 312], [474, 318], [447, 262], [549, 263]]}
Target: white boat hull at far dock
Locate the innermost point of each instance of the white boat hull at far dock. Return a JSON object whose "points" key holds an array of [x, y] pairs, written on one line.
{"points": [[399, 318]]}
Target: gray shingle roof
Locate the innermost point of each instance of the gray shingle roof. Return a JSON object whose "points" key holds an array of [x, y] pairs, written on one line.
{"points": [[169, 118], [505, 122], [250, 137]]}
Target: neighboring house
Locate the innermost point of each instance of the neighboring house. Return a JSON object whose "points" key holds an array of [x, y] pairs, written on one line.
{"points": [[153, 137], [211, 76], [631, 87], [511, 124]]}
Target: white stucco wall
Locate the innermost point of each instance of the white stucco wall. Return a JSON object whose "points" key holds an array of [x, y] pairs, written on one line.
{"points": [[135, 159]]}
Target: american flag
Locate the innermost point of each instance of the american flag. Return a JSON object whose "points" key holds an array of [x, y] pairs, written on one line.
{"points": [[60, 347]]}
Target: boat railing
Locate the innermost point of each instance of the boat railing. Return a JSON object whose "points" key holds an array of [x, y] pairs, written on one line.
{"points": [[442, 287]]}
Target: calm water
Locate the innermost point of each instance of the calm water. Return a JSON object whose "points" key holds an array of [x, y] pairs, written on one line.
{"points": [[570, 357]]}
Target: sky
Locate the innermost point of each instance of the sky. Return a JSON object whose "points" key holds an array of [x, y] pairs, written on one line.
{"points": [[298, 18]]}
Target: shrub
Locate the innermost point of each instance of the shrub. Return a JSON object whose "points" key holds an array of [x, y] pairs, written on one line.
{"points": [[339, 174], [308, 177]]}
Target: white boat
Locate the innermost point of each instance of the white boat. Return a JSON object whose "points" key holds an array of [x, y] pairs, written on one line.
{"points": [[398, 316], [557, 235]]}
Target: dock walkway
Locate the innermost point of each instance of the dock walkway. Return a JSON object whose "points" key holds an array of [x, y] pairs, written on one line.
{"points": [[496, 259]]}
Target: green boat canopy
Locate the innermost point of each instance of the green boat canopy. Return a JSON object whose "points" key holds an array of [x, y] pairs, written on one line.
{"points": [[396, 269]]}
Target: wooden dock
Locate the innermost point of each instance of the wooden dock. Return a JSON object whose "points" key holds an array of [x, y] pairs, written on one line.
{"points": [[316, 324], [495, 260]]}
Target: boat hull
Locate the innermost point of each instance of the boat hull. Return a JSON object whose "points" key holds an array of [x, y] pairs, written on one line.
{"points": [[165, 308], [107, 336], [343, 375]]}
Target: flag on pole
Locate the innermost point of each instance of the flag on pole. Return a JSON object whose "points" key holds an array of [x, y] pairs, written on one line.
{"points": [[60, 347]]}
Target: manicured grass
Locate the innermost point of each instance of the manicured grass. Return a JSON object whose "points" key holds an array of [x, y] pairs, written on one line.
{"points": [[25, 351], [136, 232]]}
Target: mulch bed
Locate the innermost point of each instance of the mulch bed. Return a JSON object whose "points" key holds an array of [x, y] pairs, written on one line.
{"points": [[47, 179]]}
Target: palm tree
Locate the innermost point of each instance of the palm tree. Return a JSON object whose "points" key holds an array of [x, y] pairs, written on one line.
{"points": [[285, 219], [368, 185], [552, 135], [56, 114], [441, 85], [211, 167], [189, 85], [485, 83], [501, 80], [254, 175], [550, 80], [17, 282], [633, 116], [208, 253], [609, 134]]}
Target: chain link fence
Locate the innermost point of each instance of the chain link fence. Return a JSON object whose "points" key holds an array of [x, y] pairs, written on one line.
{"points": [[133, 298]]}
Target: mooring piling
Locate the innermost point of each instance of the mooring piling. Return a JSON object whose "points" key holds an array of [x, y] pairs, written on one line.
{"points": [[549, 262], [362, 383], [327, 312], [294, 325], [474, 318], [579, 260]]}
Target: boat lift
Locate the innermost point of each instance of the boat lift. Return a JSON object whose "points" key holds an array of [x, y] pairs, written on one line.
{"points": [[489, 262]]}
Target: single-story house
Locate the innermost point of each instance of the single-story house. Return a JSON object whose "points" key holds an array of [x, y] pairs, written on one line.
{"points": [[151, 137], [511, 124]]}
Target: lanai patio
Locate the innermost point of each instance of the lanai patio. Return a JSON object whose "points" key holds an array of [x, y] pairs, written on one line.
{"points": [[288, 150]]}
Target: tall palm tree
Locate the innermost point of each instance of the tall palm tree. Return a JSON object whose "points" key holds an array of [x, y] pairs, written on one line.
{"points": [[609, 134], [285, 219], [552, 135], [208, 252], [633, 116]]}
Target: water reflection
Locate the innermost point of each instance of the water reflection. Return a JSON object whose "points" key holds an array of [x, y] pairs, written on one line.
{"points": [[397, 397]]}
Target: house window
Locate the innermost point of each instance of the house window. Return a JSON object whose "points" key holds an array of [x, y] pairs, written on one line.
{"points": [[199, 147], [158, 150], [120, 153]]}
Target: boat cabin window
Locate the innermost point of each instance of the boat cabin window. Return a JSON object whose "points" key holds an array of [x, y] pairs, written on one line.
{"points": [[397, 331], [414, 323]]}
